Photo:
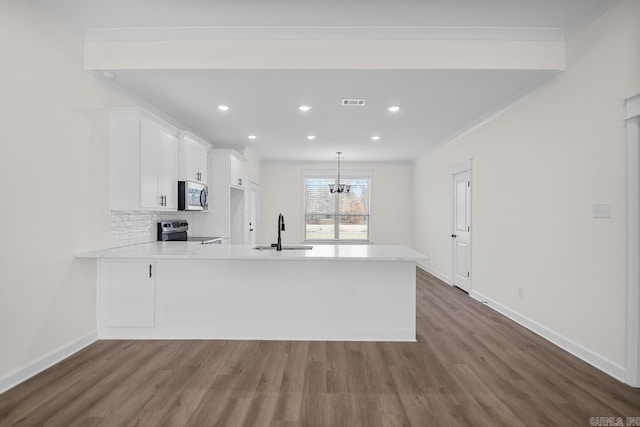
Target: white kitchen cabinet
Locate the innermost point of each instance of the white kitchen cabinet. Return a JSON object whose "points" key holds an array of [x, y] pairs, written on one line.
{"points": [[192, 158], [236, 172], [260, 295], [158, 168], [197, 295], [168, 174], [128, 294], [144, 161], [226, 216]]}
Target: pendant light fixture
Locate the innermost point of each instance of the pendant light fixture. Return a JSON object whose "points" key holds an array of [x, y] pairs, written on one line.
{"points": [[338, 187]]}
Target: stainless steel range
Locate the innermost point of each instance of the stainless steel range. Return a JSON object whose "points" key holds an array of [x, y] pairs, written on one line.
{"points": [[177, 231]]}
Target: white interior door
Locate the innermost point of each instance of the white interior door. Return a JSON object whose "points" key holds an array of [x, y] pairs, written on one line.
{"points": [[253, 212], [462, 230]]}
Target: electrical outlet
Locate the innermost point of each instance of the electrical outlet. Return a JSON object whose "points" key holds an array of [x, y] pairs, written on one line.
{"points": [[521, 293]]}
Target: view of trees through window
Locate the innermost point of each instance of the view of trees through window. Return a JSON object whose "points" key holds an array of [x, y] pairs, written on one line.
{"points": [[336, 216]]}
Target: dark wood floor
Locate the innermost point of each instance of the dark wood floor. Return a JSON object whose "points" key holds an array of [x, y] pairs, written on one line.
{"points": [[470, 367]]}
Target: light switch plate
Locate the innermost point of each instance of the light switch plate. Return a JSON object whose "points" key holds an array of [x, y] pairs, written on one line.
{"points": [[601, 210]]}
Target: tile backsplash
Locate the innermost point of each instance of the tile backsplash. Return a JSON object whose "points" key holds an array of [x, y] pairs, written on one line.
{"points": [[134, 227]]}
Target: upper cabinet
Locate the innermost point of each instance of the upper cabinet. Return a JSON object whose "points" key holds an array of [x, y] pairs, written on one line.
{"points": [[192, 158], [158, 168], [227, 180], [144, 161], [229, 168], [237, 171]]}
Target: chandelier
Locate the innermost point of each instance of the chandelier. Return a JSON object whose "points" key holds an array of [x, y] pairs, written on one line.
{"points": [[338, 187]]}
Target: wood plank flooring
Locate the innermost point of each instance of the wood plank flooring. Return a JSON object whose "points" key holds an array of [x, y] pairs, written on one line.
{"points": [[470, 367]]}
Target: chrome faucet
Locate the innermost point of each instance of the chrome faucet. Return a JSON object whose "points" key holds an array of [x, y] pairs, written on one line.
{"points": [[278, 245]]}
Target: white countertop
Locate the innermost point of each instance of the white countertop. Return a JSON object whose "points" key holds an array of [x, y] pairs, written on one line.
{"points": [[195, 250]]}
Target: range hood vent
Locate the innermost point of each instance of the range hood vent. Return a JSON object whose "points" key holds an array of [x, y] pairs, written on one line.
{"points": [[353, 102]]}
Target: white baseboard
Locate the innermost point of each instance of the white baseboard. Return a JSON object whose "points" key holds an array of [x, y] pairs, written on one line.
{"points": [[605, 365], [23, 373], [445, 279]]}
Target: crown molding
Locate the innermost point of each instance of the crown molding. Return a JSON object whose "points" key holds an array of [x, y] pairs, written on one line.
{"points": [[585, 19], [500, 109]]}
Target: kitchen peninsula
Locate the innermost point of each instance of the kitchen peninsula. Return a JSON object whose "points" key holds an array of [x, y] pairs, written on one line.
{"points": [[184, 290]]}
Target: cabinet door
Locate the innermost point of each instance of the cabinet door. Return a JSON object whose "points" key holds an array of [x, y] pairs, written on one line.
{"points": [[237, 173], [130, 294], [197, 294], [196, 162], [168, 174], [150, 196]]}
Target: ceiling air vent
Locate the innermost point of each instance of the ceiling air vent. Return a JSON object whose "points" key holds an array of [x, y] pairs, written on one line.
{"points": [[352, 102]]}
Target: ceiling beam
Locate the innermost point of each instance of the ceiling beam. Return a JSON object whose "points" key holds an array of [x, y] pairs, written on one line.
{"points": [[326, 54]]}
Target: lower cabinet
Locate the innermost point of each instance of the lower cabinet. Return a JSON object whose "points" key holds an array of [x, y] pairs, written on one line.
{"points": [[196, 293], [128, 294], [257, 299]]}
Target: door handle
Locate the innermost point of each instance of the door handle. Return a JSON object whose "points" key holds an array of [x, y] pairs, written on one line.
{"points": [[454, 235]]}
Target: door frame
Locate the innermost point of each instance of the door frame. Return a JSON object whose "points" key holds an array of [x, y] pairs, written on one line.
{"points": [[633, 240], [464, 166]]}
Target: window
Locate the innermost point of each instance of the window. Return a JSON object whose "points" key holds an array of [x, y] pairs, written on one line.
{"points": [[336, 216]]}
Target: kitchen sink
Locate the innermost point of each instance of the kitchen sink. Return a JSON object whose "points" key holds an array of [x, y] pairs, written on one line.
{"points": [[284, 248]]}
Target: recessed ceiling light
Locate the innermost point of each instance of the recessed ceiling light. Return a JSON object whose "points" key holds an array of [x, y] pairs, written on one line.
{"points": [[252, 137], [223, 108], [393, 108], [311, 137], [376, 137], [304, 108]]}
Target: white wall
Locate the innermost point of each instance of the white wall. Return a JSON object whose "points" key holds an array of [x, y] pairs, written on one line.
{"points": [[537, 170], [54, 186], [391, 200]]}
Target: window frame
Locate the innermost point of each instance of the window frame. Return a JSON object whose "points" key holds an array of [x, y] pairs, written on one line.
{"points": [[344, 174]]}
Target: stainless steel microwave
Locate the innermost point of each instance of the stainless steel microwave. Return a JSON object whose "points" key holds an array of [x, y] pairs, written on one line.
{"points": [[192, 196]]}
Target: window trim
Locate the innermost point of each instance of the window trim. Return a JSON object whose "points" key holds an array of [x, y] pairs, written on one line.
{"points": [[344, 174]]}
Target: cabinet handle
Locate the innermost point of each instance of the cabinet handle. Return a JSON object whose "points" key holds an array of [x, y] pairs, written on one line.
{"points": [[239, 181], [161, 200], [150, 271]]}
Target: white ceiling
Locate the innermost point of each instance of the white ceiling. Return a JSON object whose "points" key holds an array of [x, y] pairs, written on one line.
{"points": [[435, 104]]}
